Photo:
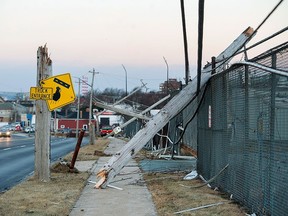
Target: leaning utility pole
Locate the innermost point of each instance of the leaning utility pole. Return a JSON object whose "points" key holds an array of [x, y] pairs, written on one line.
{"points": [[43, 118]]}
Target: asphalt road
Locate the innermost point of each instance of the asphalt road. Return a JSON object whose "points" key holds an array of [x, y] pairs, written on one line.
{"points": [[17, 156]]}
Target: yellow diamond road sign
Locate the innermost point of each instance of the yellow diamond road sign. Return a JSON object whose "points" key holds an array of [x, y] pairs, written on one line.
{"points": [[63, 92]]}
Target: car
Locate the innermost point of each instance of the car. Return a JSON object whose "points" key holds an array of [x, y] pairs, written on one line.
{"points": [[65, 131], [5, 133], [29, 129], [105, 130]]}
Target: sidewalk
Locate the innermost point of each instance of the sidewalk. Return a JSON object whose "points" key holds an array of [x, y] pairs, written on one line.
{"points": [[134, 199]]}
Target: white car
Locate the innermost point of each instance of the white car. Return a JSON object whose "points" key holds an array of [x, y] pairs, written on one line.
{"points": [[29, 129]]}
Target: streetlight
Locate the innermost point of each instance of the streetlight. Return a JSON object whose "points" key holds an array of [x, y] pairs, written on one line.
{"points": [[167, 72], [125, 78]]}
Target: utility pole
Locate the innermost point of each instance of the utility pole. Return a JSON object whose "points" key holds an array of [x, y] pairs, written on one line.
{"points": [[91, 126], [78, 108], [187, 72], [43, 120]]}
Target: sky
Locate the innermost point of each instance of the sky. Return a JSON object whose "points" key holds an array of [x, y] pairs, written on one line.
{"points": [[106, 35]]}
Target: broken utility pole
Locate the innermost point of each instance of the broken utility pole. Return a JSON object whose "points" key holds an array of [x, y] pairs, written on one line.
{"points": [[143, 112], [171, 109], [122, 111], [43, 119], [117, 102]]}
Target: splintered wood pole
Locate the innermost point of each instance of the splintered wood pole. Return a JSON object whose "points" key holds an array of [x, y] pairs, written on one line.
{"points": [[122, 111], [43, 120], [143, 112], [171, 109]]}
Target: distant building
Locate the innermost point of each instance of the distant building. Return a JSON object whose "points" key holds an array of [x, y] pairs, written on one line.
{"points": [[57, 124], [170, 85], [11, 112]]}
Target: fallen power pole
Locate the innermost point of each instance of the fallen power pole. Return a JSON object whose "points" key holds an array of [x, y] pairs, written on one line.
{"points": [[122, 111], [171, 109], [143, 112], [117, 102]]}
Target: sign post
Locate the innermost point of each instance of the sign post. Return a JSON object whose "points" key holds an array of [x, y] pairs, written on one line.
{"points": [[51, 93], [43, 118]]}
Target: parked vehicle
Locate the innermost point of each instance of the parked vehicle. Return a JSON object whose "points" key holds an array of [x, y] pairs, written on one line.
{"points": [[29, 129], [65, 131], [105, 130], [16, 126], [5, 133]]}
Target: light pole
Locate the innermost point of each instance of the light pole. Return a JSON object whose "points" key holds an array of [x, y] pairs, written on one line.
{"points": [[167, 72], [125, 78]]}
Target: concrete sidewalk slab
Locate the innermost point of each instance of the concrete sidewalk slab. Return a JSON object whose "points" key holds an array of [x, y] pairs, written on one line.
{"points": [[134, 199]]}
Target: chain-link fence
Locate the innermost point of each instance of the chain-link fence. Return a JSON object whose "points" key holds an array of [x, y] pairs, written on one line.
{"points": [[240, 132], [243, 123]]}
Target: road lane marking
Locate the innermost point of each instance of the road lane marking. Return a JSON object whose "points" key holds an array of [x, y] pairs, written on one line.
{"points": [[6, 149]]}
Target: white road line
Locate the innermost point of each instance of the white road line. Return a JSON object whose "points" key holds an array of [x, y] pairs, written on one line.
{"points": [[6, 149], [22, 146]]}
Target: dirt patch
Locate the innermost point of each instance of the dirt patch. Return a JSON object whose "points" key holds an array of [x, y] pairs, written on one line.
{"points": [[63, 167]]}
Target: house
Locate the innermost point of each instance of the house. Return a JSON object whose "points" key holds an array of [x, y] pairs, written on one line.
{"points": [[72, 124], [11, 112]]}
